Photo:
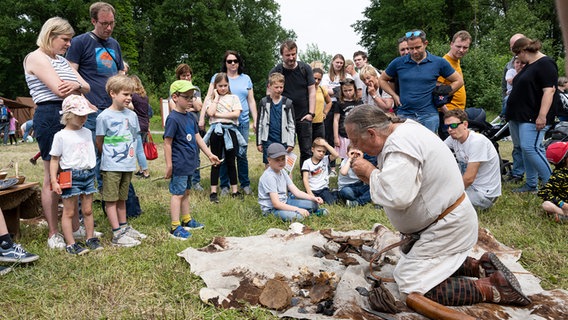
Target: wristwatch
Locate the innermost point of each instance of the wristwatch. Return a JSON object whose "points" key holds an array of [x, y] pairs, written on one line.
{"points": [[312, 114]]}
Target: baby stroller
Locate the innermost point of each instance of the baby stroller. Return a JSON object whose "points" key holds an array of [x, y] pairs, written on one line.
{"points": [[559, 133], [495, 131]]}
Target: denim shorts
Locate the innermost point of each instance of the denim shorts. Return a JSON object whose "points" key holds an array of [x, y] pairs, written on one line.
{"points": [[47, 122], [83, 182], [179, 184]]}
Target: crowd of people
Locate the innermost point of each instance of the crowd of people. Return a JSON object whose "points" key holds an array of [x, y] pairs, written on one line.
{"points": [[401, 136]]}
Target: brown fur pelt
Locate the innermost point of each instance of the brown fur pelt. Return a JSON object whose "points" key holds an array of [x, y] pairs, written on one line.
{"points": [[29, 201]]}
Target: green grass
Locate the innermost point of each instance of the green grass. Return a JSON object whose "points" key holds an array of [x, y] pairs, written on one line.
{"points": [[151, 282]]}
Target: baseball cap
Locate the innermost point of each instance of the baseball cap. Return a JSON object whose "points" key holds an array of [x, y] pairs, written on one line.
{"points": [[77, 105], [182, 86], [556, 152], [276, 150]]}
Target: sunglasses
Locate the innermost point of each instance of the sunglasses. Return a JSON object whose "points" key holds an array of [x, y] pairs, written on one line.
{"points": [[454, 125], [416, 33], [235, 61]]}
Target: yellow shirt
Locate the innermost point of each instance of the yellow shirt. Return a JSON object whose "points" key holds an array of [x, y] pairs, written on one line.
{"points": [[321, 94], [459, 99]]}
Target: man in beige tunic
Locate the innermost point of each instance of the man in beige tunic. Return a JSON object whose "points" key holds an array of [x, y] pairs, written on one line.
{"points": [[416, 181]]}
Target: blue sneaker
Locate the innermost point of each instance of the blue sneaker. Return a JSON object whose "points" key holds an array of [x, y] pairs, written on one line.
{"points": [[16, 253], [4, 270], [321, 212], [192, 224], [180, 233], [525, 188], [76, 249]]}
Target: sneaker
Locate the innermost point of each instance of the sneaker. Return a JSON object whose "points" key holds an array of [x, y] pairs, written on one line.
{"points": [[56, 241], [321, 212], [4, 270], [180, 233], [123, 240], [192, 224], [33, 161], [213, 197], [94, 244], [351, 203], [525, 188], [81, 233], [139, 173], [247, 190], [237, 195], [512, 179], [224, 191], [135, 234], [16, 254], [197, 187], [76, 249]]}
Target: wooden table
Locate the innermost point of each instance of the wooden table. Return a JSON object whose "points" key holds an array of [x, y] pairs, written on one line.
{"points": [[11, 205]]}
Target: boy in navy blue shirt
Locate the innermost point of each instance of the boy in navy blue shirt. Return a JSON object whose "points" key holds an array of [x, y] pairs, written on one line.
{"points": [[181, 140]]}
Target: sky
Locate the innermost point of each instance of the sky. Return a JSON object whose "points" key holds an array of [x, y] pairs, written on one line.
{"points": [[326, 23]]}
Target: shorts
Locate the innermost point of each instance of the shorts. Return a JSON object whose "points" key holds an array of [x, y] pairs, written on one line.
{"points": [[82, 182], [115, 185], [47, 122], [179, 184]]}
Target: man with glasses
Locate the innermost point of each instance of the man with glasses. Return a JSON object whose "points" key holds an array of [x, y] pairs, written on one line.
{"points": [[417, 73], [477, 159], [97, 57], [299, 85]]}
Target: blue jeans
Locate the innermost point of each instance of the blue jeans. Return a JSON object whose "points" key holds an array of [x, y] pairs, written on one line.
{"points": [[358, 191], [430, 120], [286, 215], [534, 154], [518, 162], [179, 185], [242, 161], [5, 127], [328, 196], [91, 124], [142, 162], [29, 127]]}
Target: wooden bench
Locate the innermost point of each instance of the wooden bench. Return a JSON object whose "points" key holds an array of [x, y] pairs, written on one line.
{"points": [[13, 199]]}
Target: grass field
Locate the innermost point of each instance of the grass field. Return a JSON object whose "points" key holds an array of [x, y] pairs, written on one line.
{"points": [[151, 282]]}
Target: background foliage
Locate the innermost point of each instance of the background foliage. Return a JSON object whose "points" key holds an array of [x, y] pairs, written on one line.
{"points": [[157, 35]]}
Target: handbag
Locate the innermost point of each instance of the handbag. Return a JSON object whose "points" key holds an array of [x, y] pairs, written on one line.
{"points": [[150, 149]]}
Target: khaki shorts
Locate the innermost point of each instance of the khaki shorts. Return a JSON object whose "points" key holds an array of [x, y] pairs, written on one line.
{"points": [[115, 185]]}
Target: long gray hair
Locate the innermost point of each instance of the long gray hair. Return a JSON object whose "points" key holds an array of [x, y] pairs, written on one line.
{"points": [[367, 116]]}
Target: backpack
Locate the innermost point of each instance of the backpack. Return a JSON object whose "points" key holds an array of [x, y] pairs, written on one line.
{"points": [[563, 102], [4, 114]]}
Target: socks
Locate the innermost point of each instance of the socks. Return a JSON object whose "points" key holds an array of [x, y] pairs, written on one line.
{"points": [[116, 232], [175, 224], [185, 218]]}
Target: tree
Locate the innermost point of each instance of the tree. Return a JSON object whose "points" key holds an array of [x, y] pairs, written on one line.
{"points": [[313, 53]]}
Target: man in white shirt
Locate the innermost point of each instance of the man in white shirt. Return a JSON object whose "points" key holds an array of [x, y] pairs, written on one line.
{"points": [[477, 158]]}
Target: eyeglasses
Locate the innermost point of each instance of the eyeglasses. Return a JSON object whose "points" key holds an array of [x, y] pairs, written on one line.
{"points": [[416, 33], [186, 97], [106, 24], [454, 125], [235, 61]]}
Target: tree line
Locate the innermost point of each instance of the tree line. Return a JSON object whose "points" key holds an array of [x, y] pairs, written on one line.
{"points": [[155, 36]]}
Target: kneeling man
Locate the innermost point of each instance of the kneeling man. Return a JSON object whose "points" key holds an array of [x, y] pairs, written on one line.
{"points": [[477, 158]]}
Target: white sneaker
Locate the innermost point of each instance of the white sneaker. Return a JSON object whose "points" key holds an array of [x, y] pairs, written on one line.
{"points": [[224, 192], [56, 241], [81, 233], [133, 233], [123, 240], [247, 190]]}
